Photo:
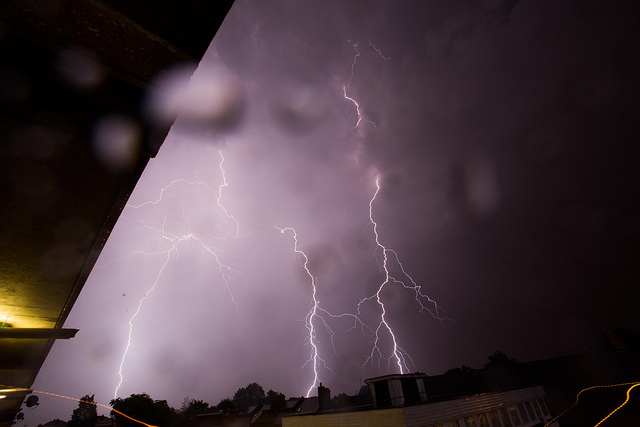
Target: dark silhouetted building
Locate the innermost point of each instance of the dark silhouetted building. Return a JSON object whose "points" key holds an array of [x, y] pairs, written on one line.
{"points": [[66, 67]]}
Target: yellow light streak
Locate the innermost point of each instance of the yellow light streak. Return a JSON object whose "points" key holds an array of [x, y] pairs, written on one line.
{"points": [[623, 403], [633, 384]]}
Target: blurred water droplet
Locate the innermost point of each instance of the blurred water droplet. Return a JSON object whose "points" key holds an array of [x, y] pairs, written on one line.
{"points": [[210, 98], [299, 108], [116, 141], [80, 68], [482, 186]]}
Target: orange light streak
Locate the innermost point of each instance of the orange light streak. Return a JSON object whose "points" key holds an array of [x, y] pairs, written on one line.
{"points": [[623, 403], [77, 400], [633, 384]]}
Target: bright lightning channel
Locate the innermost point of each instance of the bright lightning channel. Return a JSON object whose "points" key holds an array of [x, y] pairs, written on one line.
{"points": [[312, 316], [126, 351], [220, 188], [400, 356], [346, 87], [318, 316], [378, 50], [426, 303], [173, 241]]}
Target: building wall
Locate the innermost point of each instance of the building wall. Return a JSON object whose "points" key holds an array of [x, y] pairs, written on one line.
{"points": [[481, 406], [379, 418], [225, 421], [513, 408]]}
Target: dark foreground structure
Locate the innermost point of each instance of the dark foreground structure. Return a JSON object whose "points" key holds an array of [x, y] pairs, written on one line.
{"points": [[513, 395], [66, 67], [395, 400]]}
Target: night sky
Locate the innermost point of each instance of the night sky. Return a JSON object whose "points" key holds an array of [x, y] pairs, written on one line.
{"points": [[504, 135]]}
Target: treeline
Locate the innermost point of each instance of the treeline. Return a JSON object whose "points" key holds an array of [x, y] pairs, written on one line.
{"points": [[143, 407]]}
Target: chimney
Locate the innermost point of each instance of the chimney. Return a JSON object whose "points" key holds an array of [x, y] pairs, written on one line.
{"points": [[324, 398]]}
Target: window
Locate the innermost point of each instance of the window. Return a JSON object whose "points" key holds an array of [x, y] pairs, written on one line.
{"points": [[536, 408], [523, 413], [470, 421], [532, 415], [410, 390], [383, 396], [495, 420], [543, 406], [514, 416], [482, 420], [504, 415]]}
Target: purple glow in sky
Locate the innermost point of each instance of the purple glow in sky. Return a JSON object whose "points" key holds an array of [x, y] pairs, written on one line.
{"points": [[502, 139]]}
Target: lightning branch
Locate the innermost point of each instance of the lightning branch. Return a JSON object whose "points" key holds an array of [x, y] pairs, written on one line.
{"points": [[167, 244]]}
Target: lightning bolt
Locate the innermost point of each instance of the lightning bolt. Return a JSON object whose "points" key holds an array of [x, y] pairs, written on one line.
{"points": [[313, 315], [167, 244], [378, 50], [346, 87], [398, 353], [425, 302], [319, 316], [317, 319], [400, 356], [126, 351], [220, 188]]}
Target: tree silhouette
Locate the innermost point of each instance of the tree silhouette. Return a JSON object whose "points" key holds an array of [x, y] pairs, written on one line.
{"points": [[253, 394], [226, 405], [189, 410], [143, 408], [86, 415], [194, 407], [464, 369], [342, 400], [277, 400], [499, 359]]}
